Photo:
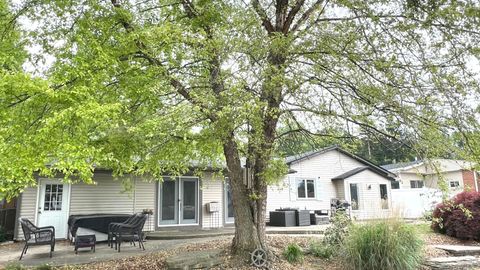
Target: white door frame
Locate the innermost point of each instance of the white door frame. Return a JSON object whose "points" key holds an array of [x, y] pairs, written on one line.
{"points": [[227, 219], [179, 190], [67, 187]]}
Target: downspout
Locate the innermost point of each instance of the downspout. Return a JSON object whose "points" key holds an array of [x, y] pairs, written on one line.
{"points": [[475, 179], [134, 194]]}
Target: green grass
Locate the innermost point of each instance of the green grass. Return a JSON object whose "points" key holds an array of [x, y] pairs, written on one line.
{"points": [[421, 228], [321, 250], [293, 253], [384, 245]]}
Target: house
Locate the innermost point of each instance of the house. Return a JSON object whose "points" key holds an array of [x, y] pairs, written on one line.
{"points": [[457, 175], [190, 202], [418, 187], [179, 204], [333, 173]]}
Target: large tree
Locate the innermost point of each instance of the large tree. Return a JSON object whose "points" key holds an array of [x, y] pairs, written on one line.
{"points": [[150, 86]]}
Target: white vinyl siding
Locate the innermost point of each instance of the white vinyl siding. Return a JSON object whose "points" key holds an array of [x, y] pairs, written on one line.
{"points": [[368, 184], [28, 207], [322, 168], [212, 191]]}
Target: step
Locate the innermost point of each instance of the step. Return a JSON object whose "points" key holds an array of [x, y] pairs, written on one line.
{"points": [[453, 263], [458, 250]]}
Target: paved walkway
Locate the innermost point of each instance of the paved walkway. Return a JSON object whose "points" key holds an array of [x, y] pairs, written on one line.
{"points": [[64, 253]]}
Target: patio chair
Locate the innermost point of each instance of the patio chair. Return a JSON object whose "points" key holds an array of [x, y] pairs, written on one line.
{"points": [[130, 232], [112, 227], [36, 236]]}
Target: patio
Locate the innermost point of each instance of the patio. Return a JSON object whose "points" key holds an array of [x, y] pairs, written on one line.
{"points": [[64, 253], [156, 241]]}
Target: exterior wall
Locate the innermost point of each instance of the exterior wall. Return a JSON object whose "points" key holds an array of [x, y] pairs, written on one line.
{"points": [[109, 196], [432, 180], [106, 196], [340, 187], [212, 191], [469, 180], [322, 168], [369, 195], [27, 205]]}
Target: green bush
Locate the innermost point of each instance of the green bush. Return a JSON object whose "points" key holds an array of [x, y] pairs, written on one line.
{"points": [[44, 267], [322, 250], [383, 245], [338, 229], [293, 253]]}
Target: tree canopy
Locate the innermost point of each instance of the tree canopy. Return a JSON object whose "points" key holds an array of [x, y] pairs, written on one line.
{"points": [[150, 86]]}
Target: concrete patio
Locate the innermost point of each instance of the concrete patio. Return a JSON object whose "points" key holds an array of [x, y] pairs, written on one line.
{"points": [[64, 253], [156, 241]]}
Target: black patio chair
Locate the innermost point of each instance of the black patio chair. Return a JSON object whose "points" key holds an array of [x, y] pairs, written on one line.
{"points": [[130, 232], [36, 236], [112, 227]]}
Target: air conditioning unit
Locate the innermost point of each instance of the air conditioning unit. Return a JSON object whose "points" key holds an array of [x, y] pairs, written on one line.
{"points": [[213, 207]]}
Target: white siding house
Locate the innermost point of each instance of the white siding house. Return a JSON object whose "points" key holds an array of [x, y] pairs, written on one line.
{"points": [[190, 196], [332, 173]]}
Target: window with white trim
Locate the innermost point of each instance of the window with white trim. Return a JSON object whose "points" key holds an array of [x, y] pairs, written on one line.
{"points": [[305, 188], [416, 184], [454, 184]]}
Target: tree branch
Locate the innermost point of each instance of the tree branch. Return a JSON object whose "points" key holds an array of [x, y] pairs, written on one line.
{"points": [[263, 16]]}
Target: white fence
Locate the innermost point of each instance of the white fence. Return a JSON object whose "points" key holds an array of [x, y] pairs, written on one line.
{"points": [[412, 203]]}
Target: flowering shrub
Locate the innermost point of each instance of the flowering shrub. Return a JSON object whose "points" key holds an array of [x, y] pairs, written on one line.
{"points": [[459, 217]]}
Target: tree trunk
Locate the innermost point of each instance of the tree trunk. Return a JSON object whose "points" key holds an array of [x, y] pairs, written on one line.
{"points": [[247, 236]]}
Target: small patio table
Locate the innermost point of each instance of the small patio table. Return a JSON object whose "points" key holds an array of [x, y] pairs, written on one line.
{"points": [[83, 241]]}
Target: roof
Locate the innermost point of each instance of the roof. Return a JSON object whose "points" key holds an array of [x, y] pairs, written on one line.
{"points": [[432, 165], [401, 165], [346, 175], [370, 165]]}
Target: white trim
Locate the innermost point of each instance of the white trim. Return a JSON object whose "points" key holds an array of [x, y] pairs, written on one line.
{"points": [[226, 218], [67, 204], [178, 224], [37, 202], [475, 179], [306, 198]]}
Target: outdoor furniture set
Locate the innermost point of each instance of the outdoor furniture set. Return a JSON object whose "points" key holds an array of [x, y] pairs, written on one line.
{"points": [[129, 229], [289, 217]]}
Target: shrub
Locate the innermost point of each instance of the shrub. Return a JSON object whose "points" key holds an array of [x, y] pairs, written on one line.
{"points": [[293, 253], [459, 217], [336, 232], [322, 250], [44, 267], [383, 245]]}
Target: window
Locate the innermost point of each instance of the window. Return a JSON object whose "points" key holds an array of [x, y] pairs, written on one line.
{"points": [[395, 184], [384, 196], [454, 184], [305, 188], [354, 197], [416, 184], [53, 197]]}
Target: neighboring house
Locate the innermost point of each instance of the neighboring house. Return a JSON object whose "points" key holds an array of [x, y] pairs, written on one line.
{"points": [[457, 175], [179, 204], [333, 173]]}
